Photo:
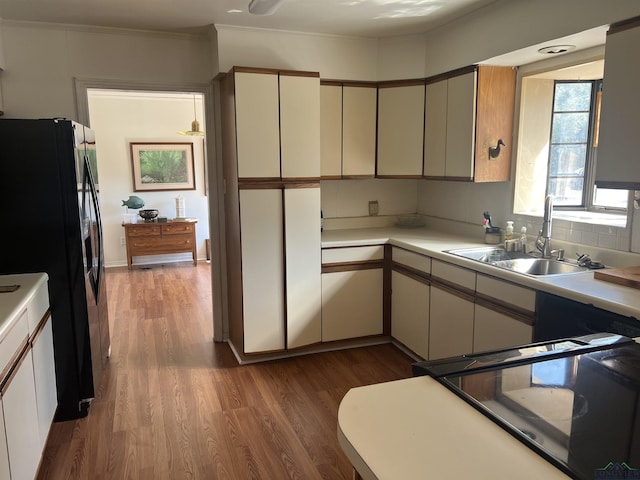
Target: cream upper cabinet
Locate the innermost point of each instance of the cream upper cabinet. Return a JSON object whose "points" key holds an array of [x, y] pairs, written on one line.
{"points": [[300, 126], [400, 130], [359, 105], [257, 125], [466, 113], [348, 130], [619, 142], [435, 129], [461, 115], [331, 131]]}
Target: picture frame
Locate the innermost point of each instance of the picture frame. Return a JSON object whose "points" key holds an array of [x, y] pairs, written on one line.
{"points": [[159, 166]]}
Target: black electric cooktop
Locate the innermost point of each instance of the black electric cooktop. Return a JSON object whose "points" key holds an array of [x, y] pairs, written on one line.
{"points": [[575, 401]]}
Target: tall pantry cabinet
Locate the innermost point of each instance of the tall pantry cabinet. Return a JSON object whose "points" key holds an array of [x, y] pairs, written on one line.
{"points": [[271, 161]]}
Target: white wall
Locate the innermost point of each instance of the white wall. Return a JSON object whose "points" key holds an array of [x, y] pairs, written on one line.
{"points": [[335, 57], [41, 61], [122, 117]]}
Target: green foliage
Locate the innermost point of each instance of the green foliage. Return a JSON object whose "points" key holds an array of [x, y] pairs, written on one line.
{"points": [[163, 166]]}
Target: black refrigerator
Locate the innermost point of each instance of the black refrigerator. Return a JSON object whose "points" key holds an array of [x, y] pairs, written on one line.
{"points": [[51, 223]]}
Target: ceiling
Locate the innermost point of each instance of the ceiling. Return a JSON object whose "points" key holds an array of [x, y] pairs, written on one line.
{"points": [[366, 18]]}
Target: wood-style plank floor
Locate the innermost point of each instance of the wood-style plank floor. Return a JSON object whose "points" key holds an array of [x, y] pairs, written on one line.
{"points": [[175, 405]]}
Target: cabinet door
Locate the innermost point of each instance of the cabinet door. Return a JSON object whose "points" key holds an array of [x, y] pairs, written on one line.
{"points": [[410, 313], [262, 270], [451, 324], [435, 129], [461, 122], [494, 330], [257, 125], [351, 304], [331, 131], [303, 265], [4, 453], [21, 421], [300, 126], [400, 130], [618, 165], [359, 131], [45, 380]]}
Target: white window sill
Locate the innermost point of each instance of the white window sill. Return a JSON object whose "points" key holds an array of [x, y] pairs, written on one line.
{"points": [[593, 218]]}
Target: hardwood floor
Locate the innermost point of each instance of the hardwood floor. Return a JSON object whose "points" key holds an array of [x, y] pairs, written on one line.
{"points": [[175, 405]]}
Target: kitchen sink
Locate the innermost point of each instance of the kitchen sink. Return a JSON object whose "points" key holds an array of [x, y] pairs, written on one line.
{"points": [[518, 262]]}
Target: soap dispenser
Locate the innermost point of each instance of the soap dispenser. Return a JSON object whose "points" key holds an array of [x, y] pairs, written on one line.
{"points": [[508, 235]]}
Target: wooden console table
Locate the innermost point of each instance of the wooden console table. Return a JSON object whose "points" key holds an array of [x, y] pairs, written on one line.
{"points": [[156, 238]]}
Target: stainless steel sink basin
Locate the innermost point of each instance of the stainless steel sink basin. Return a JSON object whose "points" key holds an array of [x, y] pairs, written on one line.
{"points": [[518, 262]]}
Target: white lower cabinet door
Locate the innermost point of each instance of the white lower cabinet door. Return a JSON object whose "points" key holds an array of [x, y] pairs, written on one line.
{"points": [[351, 304], [410, 313], [262, 270], [45, 378], [451, 324], [495, 330], [21, 421], [303, 266]]}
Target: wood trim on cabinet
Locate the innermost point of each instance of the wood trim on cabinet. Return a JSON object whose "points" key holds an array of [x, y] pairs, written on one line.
{"points": [[402, 177], [259, 184], [294, 185], [352, 266], [414, 274], [331, 177], [14, 364], [624, 25], [453, 289], [330, 83], [266, 71], [299, 73], [402, 83], [301, 180], [357, 177], [517, 314], [451, 74], [387, 282]]}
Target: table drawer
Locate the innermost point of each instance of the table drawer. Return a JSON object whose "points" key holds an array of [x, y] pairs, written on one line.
{"points": [[143, 230], [177, 229], [157, 245]]}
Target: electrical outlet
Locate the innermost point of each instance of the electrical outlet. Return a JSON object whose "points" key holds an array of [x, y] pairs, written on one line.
{"points": [[373, 208], [122, 241]]}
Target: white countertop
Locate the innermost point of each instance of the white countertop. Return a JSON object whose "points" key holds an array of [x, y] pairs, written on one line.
{"points": [[581, 287], [14, 303], [416, 428]]}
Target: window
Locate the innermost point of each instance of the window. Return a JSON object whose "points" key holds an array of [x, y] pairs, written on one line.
{"points": [[557, 145]]}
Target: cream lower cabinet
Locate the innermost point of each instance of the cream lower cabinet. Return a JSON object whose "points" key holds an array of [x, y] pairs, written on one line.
{"points": [[5, 472], [410, 312], [352, 292], [451, 323], [21, 420], [45, 379], [261, 218], [495, 330]]}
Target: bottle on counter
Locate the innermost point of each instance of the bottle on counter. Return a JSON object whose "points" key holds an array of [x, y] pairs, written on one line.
{"points": [[523, 239], [508, 234]]}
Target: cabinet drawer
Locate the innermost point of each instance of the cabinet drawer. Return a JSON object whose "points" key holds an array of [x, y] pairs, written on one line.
{"points": [[177, 229], [506, 293], [38, 307], [453, 274], [143, 230], [13, 341], [352, 254], [157, 245], [411, 259]]}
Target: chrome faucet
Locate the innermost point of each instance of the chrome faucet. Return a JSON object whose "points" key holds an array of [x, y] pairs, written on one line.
{"points": [[543, 242]]}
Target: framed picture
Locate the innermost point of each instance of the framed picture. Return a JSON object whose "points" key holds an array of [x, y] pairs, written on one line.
{"points": [[162, 166]]}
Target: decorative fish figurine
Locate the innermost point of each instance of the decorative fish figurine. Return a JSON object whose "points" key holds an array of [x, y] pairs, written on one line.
{"points": [[133, 202]]}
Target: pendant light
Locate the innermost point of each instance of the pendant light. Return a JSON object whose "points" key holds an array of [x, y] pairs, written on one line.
{"points": [[195, 125]]}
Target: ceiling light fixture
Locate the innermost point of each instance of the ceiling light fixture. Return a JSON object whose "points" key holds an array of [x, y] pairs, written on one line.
{"points": [[195, 125], [556, 49], [264, 7]]}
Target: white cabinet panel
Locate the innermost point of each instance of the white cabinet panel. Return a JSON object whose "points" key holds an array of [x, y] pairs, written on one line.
{"points": [[618, 164], [257, 125], [454, 274], [461, 122], [352, 254], [4, 453], [506, 292], [410, 313], [303, 265], [435, 129], [400, 130], [411, 259], [14, 339], [359, 131], [21, 421], [262, 269], [330, 130], [494, 330], [351, 304], [300, 126], [45, 380], [451, 324]]}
